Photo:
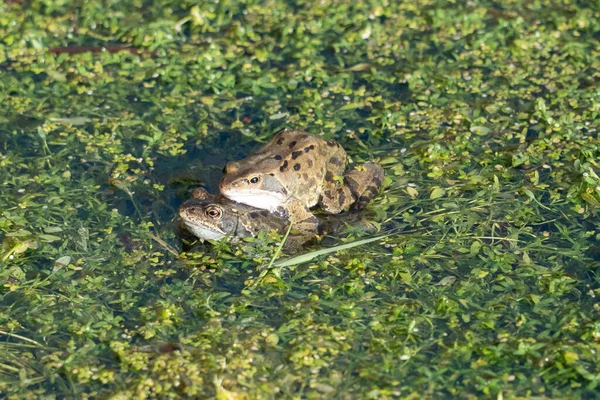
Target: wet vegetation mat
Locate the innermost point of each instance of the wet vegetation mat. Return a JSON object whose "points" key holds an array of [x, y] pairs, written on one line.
{"points": [[485, 116]]}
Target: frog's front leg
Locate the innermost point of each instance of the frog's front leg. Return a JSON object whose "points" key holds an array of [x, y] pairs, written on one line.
{"points": [[300, 216], [304, 225], [360, 185]]}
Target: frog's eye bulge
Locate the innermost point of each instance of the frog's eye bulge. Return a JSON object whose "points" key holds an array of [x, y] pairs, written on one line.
{"points": [[214, 212]]}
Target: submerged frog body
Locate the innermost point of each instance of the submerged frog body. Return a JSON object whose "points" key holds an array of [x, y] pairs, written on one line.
{"points": [[295, 171], [211, 217]]}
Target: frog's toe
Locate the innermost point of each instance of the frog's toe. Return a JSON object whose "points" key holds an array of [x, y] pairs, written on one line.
{"points": [[367, 179]]}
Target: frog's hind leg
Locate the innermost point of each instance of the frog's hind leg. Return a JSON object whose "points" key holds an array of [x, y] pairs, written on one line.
{"points": [[367, 188], [361, 184]]}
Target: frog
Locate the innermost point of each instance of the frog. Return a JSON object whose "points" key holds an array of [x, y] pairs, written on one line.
{"points": [[296, 171], [210, 217]]}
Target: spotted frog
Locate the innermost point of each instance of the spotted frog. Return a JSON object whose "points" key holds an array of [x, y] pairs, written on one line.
{"points": [[295, 171], [210, 217]]}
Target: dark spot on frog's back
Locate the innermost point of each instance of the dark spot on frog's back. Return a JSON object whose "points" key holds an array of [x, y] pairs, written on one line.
{"points": [[309, 148], [364, 199], [335, 161], [373, 190], [310, 163], [278, 157], [296, 154], [331, 143], [342, 197], [283, 166], [264, 213], [353, 186], [253, 214], [296, 167], [329, 176], [280, 140], [292, 144]]}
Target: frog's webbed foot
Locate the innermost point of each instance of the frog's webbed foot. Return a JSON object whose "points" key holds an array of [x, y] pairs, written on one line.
{"points": [[361, 184], [297, 240], [352, 221]]}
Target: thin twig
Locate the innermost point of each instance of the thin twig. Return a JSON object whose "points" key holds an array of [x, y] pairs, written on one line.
{"points": [[21, 337], [166, 245]]}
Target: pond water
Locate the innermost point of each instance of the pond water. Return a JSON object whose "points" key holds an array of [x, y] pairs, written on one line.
{"points": [[484, 116]]}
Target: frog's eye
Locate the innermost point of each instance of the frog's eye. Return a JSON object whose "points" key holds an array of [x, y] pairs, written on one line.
{"points": [[213, 212], [254, 180]]}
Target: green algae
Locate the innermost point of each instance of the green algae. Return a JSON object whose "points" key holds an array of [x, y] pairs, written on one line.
{"points": [[484, 114]]}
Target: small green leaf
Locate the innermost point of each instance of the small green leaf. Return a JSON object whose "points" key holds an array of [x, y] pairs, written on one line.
{"points": [[278, 115], [359, 67], [72, 121], [480, 130], [412, 192], [446, 281], [535, 298], [475, 246], [590, 199], [49, 238], [450, 205], [272, 339], [570, 357], [437, 193], [406, 277], [21, 247]]}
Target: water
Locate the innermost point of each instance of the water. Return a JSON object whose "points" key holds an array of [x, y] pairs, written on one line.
{"points": [[485, 119]]}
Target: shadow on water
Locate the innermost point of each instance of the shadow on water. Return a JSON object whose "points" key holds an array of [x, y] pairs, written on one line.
{"points": [[201, 165]]}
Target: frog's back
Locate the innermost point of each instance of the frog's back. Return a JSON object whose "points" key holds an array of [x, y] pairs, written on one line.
{"points": [[301, 162], [286, 142], [292, 166]]}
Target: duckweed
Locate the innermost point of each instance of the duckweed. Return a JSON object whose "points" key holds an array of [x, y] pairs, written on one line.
{"points": [[484, 114]]}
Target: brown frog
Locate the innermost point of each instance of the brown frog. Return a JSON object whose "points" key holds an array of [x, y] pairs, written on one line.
{"points": [[295, 171], [211, 217]]}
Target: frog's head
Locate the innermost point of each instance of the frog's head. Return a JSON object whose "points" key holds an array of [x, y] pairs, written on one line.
{"points": [[252, 186], [206, 218]]}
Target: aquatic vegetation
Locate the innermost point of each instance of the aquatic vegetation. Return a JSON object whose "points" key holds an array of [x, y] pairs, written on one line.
{"points": [[484, 115]]}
